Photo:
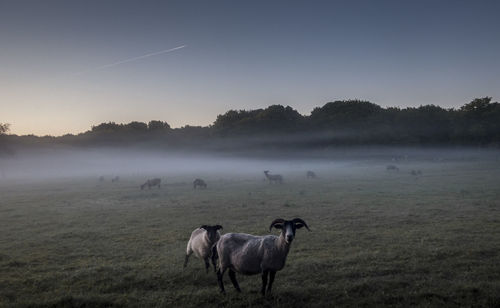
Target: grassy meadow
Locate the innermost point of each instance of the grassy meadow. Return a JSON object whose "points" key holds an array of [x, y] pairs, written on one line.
{"points": [[378, 238]]}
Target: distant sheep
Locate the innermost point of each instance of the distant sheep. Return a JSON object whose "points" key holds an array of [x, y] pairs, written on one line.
{"points": [[310, 174], [101, 179], [201, 242], [392, 168], [273, 178], [199, 183], [249, 254], [151, 183], [416, 172], [115, 179]]}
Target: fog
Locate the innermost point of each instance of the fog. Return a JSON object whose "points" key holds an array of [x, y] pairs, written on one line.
{"points": [[67, 162]]}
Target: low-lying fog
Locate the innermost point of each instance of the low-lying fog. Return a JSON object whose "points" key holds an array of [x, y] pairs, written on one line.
{"points": [[76, 162]]}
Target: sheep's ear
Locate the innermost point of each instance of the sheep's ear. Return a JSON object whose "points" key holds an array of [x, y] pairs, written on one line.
{"points": [[204, 227], [218, 227], [278, 226], [299, 223], [277, 223]]}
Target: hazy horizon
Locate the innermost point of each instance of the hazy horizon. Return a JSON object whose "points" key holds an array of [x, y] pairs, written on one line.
{"points": [[69, 65], [13, 132]]}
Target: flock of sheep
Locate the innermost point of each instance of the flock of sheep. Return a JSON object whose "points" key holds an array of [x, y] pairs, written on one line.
{"points": [[242, 253], [199, 183]]}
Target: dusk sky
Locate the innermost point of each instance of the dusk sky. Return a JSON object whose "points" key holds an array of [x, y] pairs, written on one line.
{"points": [[68, 65]]}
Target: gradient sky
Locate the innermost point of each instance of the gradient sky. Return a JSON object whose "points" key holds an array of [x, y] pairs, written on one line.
{"points": [[238, 55]]}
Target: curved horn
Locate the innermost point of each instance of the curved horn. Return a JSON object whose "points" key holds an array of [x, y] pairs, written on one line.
{"points": [[276, 221], [298, 220]]}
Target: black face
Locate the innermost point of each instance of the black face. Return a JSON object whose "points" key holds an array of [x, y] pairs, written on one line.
{"points": [[212, 231], [288, 227]]}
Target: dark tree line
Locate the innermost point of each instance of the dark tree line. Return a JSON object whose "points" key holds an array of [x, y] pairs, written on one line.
{"points": [[349, 122], [362, 122]]}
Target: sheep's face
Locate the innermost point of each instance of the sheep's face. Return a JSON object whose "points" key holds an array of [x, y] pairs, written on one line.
{"points": [[212, 232], [288, 227], [289, 231]]}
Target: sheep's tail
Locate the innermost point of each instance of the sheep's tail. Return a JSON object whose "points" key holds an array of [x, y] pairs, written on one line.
{"points": [[215, 256]]}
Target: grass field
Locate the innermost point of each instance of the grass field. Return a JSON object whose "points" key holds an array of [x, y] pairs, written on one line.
{"points": [[378, 238]]}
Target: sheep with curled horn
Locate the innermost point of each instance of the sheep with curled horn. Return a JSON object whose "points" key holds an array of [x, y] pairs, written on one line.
{"points": [[201, 242], [250, 255]]}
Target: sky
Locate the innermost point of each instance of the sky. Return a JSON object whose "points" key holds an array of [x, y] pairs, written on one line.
{"points": [[68, 65]]}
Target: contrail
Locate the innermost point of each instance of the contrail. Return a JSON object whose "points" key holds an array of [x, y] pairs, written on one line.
{"points": [[130, 60]]}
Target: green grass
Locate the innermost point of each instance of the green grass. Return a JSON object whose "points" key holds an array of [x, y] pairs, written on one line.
{"points": [[378, 238]]}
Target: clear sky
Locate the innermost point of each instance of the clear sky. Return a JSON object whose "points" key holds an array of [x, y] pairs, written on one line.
{"points": [[58, 72]]}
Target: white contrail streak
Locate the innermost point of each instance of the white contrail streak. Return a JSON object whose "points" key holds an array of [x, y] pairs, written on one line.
{"points": [[130, 60]]}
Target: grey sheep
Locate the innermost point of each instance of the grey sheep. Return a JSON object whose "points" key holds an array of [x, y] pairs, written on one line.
{"points": [[199, 183], [273, 178], [250, 255], [151, 183]]}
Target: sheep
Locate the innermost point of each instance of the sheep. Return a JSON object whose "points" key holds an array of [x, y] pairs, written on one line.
{"points": [[201, 242], [151, 183], [199, 183], [416, 172], [276, 178], [392, 168], [310, 174], [101, 178], [115, 179], [249, 254]]}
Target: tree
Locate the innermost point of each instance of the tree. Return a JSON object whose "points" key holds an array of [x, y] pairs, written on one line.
{"points": [[341, 114], [158, 126], [4, 128]]}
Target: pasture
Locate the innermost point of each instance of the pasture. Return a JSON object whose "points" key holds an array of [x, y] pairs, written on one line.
{"points": [[378, 238]]}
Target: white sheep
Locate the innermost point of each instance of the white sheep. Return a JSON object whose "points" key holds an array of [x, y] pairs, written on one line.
{"points": [[201, 242], [249, 254]]}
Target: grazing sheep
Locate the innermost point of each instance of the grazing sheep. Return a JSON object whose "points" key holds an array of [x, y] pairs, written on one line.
{"points": [[115, 179], [201, 242], [392, 168], [249, 254], [310, 174], [416, 172], [151, 183], [273, 178], [199, 183]]}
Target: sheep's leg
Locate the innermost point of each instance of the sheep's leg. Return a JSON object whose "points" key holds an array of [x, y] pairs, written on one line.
{"points": [[207, 264], [232, 275], [186, 259], [214, 257], [220, 274], [264, 282], [271, 280]]}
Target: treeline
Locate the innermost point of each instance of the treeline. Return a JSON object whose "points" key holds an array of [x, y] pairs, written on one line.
{"points": [[362, 122], [349, 122]]}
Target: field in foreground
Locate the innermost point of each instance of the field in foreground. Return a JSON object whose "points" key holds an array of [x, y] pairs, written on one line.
{"points": [[378, 238]]}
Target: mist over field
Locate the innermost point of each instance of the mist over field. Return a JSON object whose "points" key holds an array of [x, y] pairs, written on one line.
{"points": [[38, 163], [299, 153]]}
